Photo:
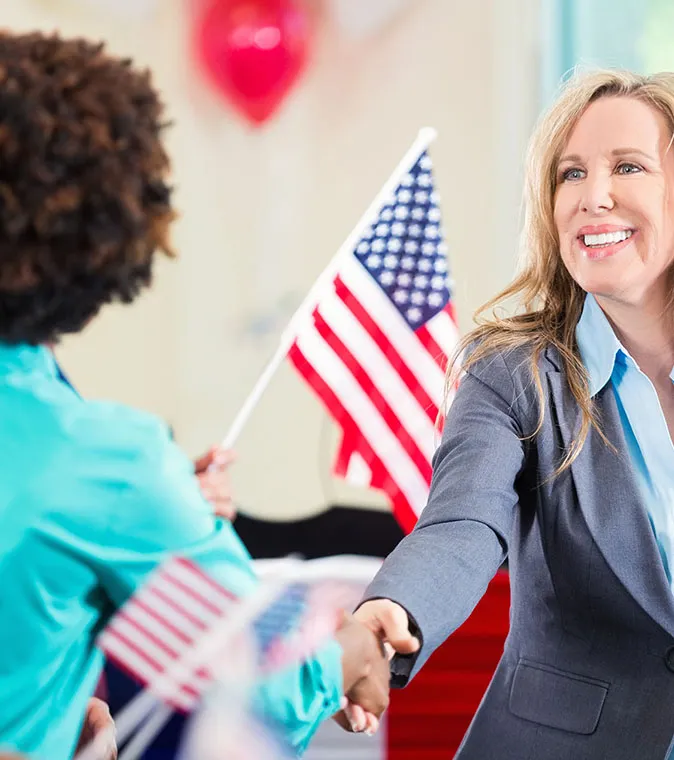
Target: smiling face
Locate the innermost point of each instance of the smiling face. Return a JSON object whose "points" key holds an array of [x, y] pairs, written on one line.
{"points": [[614, 201]]}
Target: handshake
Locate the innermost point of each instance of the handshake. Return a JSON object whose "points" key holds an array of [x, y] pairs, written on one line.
{"points": [[369, 638]]}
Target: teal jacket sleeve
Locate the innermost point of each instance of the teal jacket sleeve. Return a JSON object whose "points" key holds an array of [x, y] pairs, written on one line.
{"points": [[148, 507]]}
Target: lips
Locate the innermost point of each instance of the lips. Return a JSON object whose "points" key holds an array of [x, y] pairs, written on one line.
{"points": [[598, 243]]}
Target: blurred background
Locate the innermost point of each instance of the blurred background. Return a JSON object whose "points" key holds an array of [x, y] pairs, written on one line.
{"points": [[264, 206]]}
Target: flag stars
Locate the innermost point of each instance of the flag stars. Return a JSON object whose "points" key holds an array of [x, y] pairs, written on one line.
{"points": [[404, 248]]}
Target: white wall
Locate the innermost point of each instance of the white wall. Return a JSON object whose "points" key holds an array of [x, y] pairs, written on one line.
{"points": [[263, 211]]}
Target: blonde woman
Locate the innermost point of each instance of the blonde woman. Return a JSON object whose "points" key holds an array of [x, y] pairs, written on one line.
{"points": [[557, 452]]}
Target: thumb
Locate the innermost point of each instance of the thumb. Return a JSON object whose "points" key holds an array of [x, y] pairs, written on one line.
{"points": [[395, 629]]}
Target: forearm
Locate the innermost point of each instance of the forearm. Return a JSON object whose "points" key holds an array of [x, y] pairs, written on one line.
{"points": [[438, 593]]}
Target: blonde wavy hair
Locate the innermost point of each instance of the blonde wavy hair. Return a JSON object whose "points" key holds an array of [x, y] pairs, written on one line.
{"points": [[548, 301]]}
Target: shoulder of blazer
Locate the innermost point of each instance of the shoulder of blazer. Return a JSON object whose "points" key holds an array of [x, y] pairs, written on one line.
{"points": [[509, 374]]}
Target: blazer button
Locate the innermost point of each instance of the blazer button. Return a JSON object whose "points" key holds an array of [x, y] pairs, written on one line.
{"points": [[669, 659]]}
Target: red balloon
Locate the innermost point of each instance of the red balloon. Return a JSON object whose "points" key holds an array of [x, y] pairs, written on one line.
{"points": [[254, 51]]}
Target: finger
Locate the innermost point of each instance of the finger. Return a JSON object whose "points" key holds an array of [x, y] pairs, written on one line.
{"points": [[223, 458], [394, 627], [372, 724], [225, 508], [390, 651], [203, 462], [341, 720], [357, 717]]}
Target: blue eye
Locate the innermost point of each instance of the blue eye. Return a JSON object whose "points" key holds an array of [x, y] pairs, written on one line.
{"points": [[572, 174], [629, 169]]}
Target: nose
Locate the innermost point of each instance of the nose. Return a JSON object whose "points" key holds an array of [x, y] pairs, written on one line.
{"points": [[597, 194]]}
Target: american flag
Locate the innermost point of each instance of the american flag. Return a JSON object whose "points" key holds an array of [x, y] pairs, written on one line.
{"points": [[180, 604], [375, 350]]}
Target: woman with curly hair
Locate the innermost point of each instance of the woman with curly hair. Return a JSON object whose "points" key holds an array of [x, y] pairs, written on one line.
{"points": [[93, 495]]}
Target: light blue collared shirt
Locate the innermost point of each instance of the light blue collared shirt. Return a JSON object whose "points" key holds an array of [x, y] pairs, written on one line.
{"points": [[650, 446], [93, 497]]}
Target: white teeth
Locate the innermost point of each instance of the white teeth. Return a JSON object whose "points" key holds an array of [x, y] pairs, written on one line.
{"points": [[607, 238]]}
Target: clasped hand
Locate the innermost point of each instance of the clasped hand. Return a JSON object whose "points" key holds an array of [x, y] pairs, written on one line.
{"points": [[369, 639]]}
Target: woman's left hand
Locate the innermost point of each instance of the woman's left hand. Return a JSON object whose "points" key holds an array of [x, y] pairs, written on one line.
{"points": [[212, 471]]}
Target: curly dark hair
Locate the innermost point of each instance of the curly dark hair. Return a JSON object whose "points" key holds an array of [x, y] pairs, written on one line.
{"points": [[84, 202]]}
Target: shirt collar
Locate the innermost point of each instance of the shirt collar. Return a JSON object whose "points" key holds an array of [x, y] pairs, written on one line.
{"points": [[24, 358], [598, 345]]}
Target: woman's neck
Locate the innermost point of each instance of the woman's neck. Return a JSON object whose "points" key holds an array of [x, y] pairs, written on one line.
{"points": [[646, 331]]}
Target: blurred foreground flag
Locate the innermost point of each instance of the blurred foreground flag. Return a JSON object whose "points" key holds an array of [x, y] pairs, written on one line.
{"points": [[158, 635], [376, 346]]}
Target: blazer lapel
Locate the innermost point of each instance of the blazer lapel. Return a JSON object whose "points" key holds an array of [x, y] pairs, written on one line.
{"points": [[611, 503]]}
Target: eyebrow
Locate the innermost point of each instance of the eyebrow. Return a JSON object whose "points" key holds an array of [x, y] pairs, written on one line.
{"points": [[575, 158]]}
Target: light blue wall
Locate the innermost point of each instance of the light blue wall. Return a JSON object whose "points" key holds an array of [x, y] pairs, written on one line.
{"points": [[632, 34]]}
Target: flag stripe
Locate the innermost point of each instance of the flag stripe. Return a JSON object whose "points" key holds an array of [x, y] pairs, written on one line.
{"points": [[128, 661], [442, 328], [380, 476], [327, 364], [165, 606], [201, 593], [196, 575], [187, 601], [156, 629], [173, 625], [150, 666], [360, 376], [409, 347], [398, 364]]}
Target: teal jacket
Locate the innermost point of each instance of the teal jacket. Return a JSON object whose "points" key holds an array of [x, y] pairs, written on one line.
{"points": [[93, 497]]}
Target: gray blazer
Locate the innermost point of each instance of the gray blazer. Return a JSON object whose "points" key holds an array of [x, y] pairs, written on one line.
{"points": [[588, 666]]}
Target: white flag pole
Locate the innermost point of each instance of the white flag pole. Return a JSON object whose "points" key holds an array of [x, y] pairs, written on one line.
{"points": [[423, 140]]}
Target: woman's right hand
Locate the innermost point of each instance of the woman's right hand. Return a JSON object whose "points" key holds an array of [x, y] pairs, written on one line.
{"points": [[390, 623]]}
